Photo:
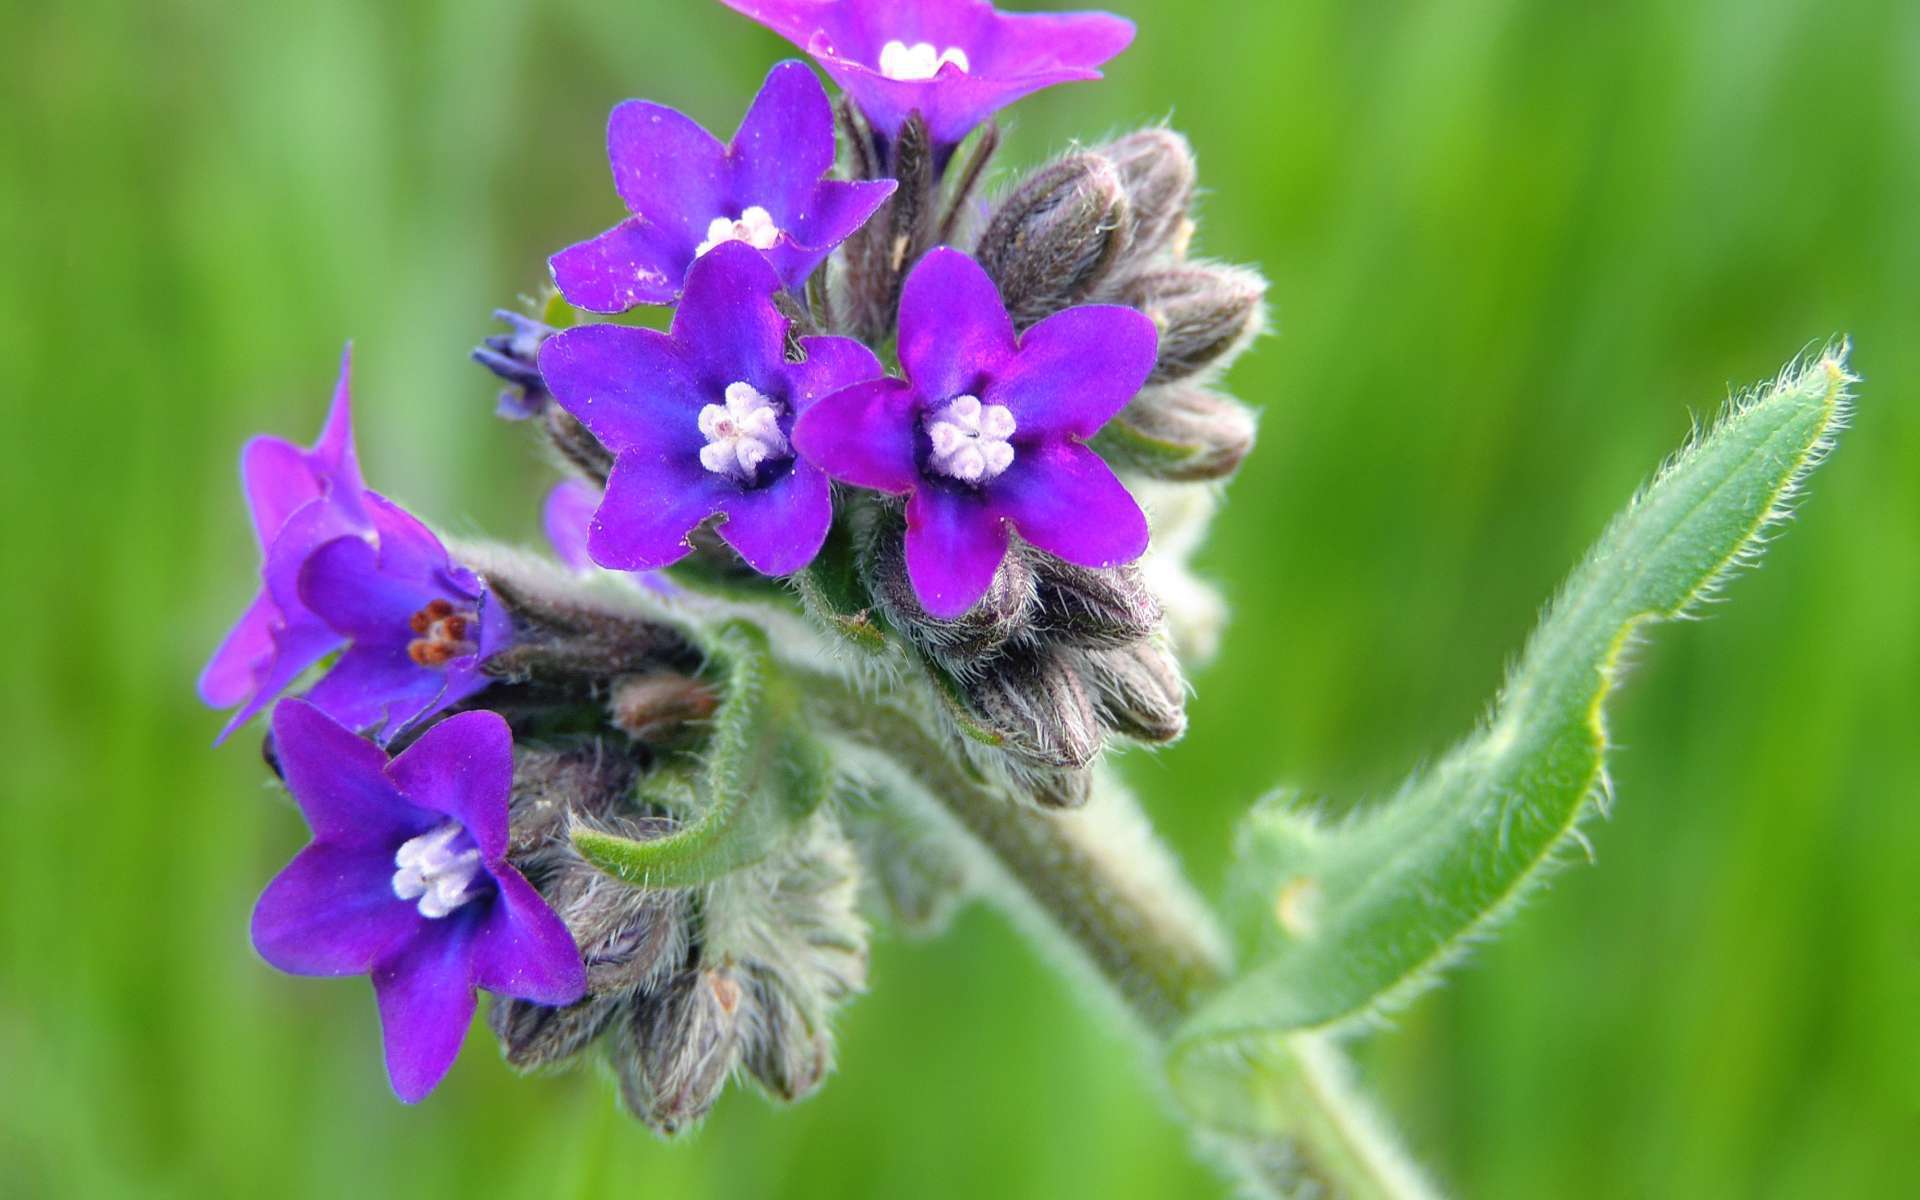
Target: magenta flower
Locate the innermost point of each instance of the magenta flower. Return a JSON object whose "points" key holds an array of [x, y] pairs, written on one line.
{"points": [[418, 627], [699, 421], [956, 62], [406, 879], [689, 194], [299, 499], [986, 434]]}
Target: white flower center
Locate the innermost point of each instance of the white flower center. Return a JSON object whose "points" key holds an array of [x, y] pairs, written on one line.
{"points": [[755, 227], [970, 440], [432, 873], [922, 60], [741, 434]]}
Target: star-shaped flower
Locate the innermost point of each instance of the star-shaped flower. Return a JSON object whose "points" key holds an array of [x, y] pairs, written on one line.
{"points": [[700, 421], [956, 62], [689, 193], [986, 434], [418, 626], [406, 879], [299, 499]]}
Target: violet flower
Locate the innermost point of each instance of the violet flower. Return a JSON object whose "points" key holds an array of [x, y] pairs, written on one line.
{"points": [[699, 421], [956, 62], [298, 499], [419, 627], [689, 194], [986, 434], [406, 879]]}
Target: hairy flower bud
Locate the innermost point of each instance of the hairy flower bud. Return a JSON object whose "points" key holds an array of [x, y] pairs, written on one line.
{"points": [[660, 709], [959, 644], [1206, 315], [1056, 237], [1157, 173], [1138, 690], [784, 1051], [1036, 702], [677, 1046], [532, 1035], [1093, 607], [578, 447], [1181, 432], [514, 357]]}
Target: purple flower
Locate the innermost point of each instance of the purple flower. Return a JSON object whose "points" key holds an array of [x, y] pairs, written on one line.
{"points": [[299, 499], [406, 879], [699, 421], [986, 432], [956, 62], [688, 194], [419, 626]]}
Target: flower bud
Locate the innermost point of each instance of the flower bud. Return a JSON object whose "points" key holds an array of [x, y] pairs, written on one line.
{"points": [[677, 1046], [1138, 690], [958, 644], [1206, 315], [1061, 789], [1094, 607], [1181, 432], [514, 357], [1157, 173], [783, 1050], [660, 709], [1056, 237], [533, 1035], [1036, 702], [578, 447]]}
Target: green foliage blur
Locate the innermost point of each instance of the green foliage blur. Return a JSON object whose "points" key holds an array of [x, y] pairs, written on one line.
{"points": [[1515, 247]]}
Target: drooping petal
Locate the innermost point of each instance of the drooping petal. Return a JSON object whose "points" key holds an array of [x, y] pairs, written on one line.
{"points": [[832, 363], [564, 518], [343, 583], [780, 527], [636, 262], [955, 543], [863, 435], [727, 327], [522, 949], [462, 767], [653, 502], [229, 675], [955, 334], [339, 781], [377, 686], [332, 911], [1065, 500], [425, 991], [1075, 370], [669, 170], [629, 387], [784, 144]]}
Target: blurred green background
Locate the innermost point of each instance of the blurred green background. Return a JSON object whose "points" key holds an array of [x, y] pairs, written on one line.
{"points": [[1515, 247]]}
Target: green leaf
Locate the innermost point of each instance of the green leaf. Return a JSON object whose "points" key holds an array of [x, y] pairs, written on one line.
{"points": [[1342, 921], [837, 597], [759, 776]]}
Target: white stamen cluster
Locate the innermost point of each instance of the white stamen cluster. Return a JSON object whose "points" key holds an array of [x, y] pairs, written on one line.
{"points": [[970, 440], [742, 433], [755, 227], [432, 873], [919, 61]]}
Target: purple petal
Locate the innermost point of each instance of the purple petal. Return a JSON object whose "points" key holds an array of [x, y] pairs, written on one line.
{"points": [[629, 387], [462, 767], [564, 518], [835, 211], [779, 528], [955, 543], [523, 950], [338, 779], [344, 584], [653, 502], [376, 685], [1075, 370], [669, 171], [279, 481], [333, 454], [635, 262], [954, 329], [408, 549], [863, 435], [332, 911], [1066, 501], [307, 530], [727, 325], [229, 675], [832, 363], [784, 144], [425, 991], [301, 641]]}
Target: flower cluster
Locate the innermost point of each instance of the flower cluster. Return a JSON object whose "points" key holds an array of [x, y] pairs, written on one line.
{"points": [[895, 429]]}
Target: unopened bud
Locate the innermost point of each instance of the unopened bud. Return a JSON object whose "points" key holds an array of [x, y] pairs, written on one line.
{"points": [[534, 1036], [628, 936], [1181, 432], [1037, 704], [784, 1051], [1092, 607], [1206, 315], [677, 1047], [981, 630], [1056, 237], [551, 787], [1157, 171], [514, 356], [1062, 789], [578, 446], [660, 709], [1138, 690]]}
